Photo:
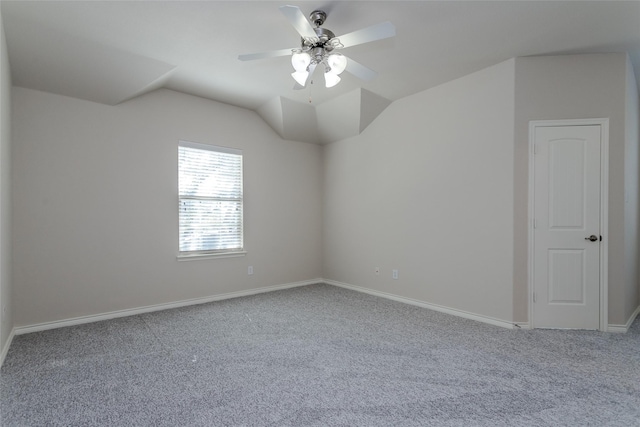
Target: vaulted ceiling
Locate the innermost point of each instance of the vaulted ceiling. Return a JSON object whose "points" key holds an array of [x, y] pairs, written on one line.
{"points": [[111, 51]]}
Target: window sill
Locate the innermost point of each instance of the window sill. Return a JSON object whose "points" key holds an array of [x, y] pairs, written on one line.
{"points": [[199, 257]]}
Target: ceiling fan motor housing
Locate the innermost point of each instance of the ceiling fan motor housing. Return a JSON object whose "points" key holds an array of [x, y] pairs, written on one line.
{"points": [[324, 36], [320, 47]]}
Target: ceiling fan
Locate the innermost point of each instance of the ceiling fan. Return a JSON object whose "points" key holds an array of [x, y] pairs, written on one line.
{"points": [[319, 45]]}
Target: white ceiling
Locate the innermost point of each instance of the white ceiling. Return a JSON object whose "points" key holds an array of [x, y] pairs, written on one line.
{"points": [[110, 51]]}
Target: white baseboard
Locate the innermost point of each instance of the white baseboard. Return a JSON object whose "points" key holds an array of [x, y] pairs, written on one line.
{"points": [[194, 301], [624, 328], [5, 349], [521, 325], [436, 307], [157, 307]]}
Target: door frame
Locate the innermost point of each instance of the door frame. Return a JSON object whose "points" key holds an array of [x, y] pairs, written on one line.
{"points": [[604, 210]]}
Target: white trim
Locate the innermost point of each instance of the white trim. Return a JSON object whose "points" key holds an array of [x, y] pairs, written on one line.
{"points": [[604, 224], [198, 257], [5, 349], [530, 224], [209, 147], [604, 210], [20, 330], [624, 328], [522, 325], [156, 307], [435, 307]]}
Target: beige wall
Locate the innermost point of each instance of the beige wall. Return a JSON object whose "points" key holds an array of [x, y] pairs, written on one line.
{"points": [[572, 87], [411, 193], [632, 194], [95, 202], [6, 306], [435, 187], [427, 189]]}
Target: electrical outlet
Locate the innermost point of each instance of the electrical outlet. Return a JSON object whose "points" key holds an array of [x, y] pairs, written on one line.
{"points": [[394, 274], [377, 271], [250, 270]]}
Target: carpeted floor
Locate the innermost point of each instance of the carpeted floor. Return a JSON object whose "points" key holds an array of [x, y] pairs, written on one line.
{"points": [[318, 356]]}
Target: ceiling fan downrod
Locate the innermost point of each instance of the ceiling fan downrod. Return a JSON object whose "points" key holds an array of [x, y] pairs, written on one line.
{"points": [[317, 17]]}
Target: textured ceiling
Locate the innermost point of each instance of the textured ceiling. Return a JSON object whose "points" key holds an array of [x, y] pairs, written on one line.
{"points": [[110, 51]]}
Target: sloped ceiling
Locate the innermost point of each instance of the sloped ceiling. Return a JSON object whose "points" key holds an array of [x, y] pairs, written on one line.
{"points": [[111, 51]]}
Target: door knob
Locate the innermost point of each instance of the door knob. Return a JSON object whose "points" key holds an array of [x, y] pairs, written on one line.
{"points": [[592, 238]]}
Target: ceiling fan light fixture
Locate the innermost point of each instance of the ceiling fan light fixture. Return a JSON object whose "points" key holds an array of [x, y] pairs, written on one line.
{"points": [[300, 77], [300, 60], [331, 79], [337, 62], [318, 46]]}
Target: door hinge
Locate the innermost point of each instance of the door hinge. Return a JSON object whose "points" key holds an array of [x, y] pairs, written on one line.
{"points": [[534, 297], [535, 223]]}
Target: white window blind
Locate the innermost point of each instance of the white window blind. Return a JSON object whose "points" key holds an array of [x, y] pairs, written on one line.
{"points": [[210, 199]]}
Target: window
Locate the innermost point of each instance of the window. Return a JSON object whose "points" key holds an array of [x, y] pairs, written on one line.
{"points": [[210, 199]]}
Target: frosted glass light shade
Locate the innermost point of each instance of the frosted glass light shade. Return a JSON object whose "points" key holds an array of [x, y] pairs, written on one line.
{"points": [[300, 77], [331, 79], [300, 61], [337, 62]]}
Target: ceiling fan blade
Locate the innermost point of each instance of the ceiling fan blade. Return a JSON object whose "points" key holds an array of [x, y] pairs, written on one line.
{"points": [[298, 20], [312, 68], [359, 70], [263, 55], [379, 31]]}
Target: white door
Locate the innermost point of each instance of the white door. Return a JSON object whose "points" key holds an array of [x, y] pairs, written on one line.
{"points": [[566, 270]]}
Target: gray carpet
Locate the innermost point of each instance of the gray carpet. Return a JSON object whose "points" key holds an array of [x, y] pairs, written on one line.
{"points": [[318, 356]]}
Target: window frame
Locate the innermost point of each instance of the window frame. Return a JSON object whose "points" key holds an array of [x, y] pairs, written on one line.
{"points": [[211, 253]]}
